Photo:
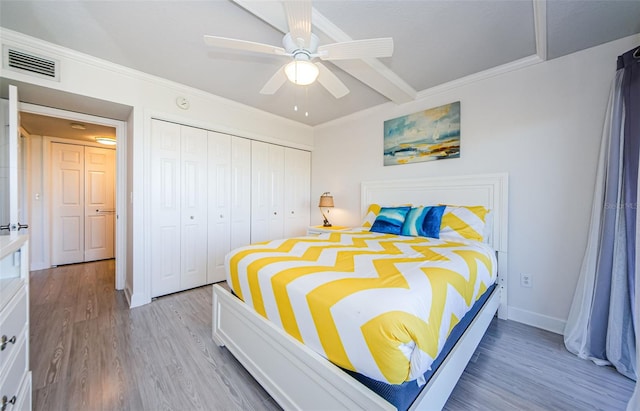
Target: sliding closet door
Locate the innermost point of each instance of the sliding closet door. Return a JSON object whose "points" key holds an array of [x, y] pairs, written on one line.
{"points": [[67, 200]]}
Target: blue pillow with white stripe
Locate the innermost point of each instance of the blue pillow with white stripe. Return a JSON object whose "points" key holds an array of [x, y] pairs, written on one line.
{"points": [[423, 221], [390, 220]]}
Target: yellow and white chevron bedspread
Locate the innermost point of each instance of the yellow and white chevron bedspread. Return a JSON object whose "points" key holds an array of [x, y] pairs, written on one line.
{"points": [[378, 304]]}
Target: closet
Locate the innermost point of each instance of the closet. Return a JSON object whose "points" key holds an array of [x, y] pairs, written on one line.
{"points": [[229, 199], [83, 203], [178, 185], [212, 192]]}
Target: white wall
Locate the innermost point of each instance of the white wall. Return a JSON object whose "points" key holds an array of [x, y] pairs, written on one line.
{"points": [[542, 124], [148, 97], [37, 241]]}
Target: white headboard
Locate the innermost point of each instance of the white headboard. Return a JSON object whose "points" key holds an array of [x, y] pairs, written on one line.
{"points": [[489, 190]]}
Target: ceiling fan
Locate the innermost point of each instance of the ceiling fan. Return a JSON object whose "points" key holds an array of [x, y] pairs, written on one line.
{"points": [[301, 45]]}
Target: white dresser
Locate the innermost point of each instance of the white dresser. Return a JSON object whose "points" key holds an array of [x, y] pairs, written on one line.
{"points": [[15, 377]]}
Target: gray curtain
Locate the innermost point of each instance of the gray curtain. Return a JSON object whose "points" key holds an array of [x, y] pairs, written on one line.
{"points": [[602, 325]]}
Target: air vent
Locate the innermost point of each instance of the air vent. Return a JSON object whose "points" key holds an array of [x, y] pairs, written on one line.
{"points": [[29, 63]]}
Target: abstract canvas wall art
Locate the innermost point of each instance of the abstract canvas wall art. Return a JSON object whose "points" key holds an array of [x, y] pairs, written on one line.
{"points": [[427, 135]]}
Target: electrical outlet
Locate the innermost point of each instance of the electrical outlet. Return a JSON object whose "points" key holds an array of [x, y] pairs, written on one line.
{"points": [[526, 280]]}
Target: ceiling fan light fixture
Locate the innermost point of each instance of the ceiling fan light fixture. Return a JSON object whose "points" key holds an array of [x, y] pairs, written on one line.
{"points": [[301, 72]]}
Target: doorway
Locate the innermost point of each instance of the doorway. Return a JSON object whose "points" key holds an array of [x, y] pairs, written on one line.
{"points": [[96, 188], [81, 184]]}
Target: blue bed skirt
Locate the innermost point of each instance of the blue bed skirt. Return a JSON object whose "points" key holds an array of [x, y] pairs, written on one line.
{"points": [[403, 395]]}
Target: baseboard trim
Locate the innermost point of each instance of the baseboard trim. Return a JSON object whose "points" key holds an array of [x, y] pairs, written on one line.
{"points": [[38, 266], [127, 295], [555, 325], [134, 300]]}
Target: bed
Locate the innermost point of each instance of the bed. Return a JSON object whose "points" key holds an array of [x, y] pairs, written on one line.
{"points": [[296, 376]]}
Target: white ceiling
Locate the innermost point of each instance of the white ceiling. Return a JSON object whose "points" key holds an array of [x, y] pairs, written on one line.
{"points": [[39, 125], [435, 41]]}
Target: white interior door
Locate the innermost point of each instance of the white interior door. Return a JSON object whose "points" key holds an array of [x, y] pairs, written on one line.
{"points": [[11, 210], [276, 192], [165, 211], [179, 211], [259, 191], [240, 192], [99, 203], [194, 207], [67, 200], [297, 177], [5, 164], [219, 218]]}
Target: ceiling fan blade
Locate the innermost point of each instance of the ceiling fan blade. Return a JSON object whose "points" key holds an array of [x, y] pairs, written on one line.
{"points": [[275, 82], [356, 49], [331, 82], [243, 45], [299, 19]]}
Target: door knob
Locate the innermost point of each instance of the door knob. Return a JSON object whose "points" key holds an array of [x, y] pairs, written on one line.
{"points": [[21, 226]]}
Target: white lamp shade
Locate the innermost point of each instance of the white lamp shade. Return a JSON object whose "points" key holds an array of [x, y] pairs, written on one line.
{"points": [[301, 72]]}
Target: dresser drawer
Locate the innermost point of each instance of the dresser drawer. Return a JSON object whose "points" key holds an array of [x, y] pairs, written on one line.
{"points": [[12, 323], [11, 382], [23, 399]]}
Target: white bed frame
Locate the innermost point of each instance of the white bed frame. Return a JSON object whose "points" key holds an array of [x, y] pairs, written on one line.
{"points": [[298, 378]]}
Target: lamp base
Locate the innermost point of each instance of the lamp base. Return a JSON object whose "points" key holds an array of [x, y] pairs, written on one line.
{"points": [[327, 224]]}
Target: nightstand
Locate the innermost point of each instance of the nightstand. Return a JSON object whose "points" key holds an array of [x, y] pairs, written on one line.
{"points": [[319, 229]]}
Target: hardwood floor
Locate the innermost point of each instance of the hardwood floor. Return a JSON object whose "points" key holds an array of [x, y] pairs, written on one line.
{"points": [[89, 351]]}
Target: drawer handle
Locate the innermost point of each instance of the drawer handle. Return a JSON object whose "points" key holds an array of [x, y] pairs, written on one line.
{"points": [[6, 401], [4, 341]]}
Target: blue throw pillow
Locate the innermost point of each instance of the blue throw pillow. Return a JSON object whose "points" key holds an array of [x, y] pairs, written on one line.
{"points": [[423, 221], [390, 220]]}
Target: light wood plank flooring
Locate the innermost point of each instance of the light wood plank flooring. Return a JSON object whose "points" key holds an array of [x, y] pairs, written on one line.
{"points": [[90, 352]]}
